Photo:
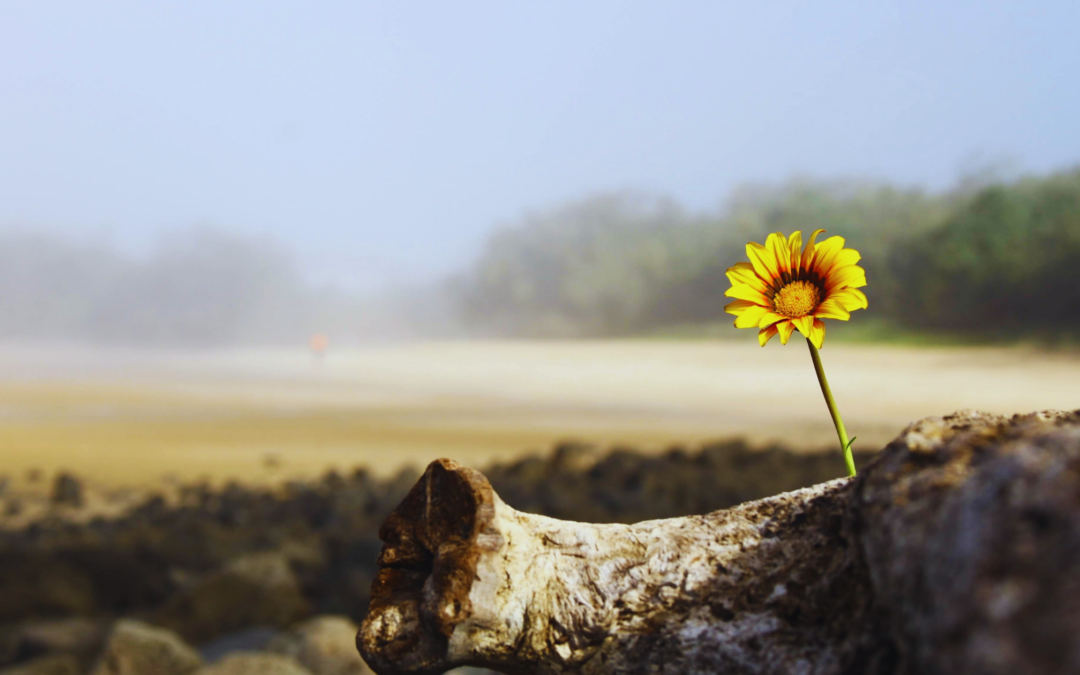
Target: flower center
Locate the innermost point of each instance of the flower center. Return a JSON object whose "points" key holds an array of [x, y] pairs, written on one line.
{"points": [[798, 298]]}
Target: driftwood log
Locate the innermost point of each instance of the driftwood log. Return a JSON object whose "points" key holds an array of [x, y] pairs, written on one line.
{"points": [[956, 551]]}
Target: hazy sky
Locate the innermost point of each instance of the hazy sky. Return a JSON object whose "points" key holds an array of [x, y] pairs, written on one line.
{"points": [[384, 140]]}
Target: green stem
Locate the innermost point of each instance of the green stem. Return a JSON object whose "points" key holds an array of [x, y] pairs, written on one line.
{"points": [[845, 444]]}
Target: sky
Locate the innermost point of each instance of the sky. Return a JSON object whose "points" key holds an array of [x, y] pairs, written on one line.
{"points": [[383, 142]]}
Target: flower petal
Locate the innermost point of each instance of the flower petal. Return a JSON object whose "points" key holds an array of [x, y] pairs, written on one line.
{"points": [[804, 324], [766, 334], [786, 328], [777, 244], [795, 244], [739, 306], [744, 292], [844, 257], [770, 318], [808, 253], [764, 262], [826, 254], [850, 298], [851, 276], [743, 273], [831, 309], [817, 333], [750, 317]]}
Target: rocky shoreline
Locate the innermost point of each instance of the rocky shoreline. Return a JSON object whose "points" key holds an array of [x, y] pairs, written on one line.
{"points": [[240, 565]]}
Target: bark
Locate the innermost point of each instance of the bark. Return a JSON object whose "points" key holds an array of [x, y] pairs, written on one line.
{"points": [[771, 586], [970, 527]]}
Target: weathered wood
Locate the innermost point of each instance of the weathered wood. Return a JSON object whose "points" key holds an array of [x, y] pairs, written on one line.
{"points": [[767, 587], [957, 551], [970, 528]]}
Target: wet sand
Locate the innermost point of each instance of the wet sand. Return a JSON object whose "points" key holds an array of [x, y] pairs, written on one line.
{"points": [[124, 417]]}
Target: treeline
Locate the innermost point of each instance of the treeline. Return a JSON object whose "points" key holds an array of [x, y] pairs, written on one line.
{"points": [[984, 259], [197, 287], [1000, 259]]}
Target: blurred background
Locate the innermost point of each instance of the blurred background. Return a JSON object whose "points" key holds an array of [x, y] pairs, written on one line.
{"points": [[292, 250]]}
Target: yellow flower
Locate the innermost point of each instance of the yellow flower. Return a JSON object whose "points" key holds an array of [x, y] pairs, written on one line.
{"points": [[784, 288]]}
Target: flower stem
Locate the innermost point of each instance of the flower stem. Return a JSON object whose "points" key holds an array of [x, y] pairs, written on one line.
{"points": [[845, 444]]}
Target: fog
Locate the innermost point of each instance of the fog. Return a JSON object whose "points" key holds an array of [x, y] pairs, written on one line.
{"points": [[224, 177], [969, 263], [380, 146], [195, 287]]}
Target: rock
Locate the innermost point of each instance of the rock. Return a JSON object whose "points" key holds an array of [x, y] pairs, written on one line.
{"points": [[247, 640], [970, 526], [333, 481], [571, 456], [69, 636], [149, 550], [67, 490], [258, 589], [55, 664], [254, 663], [135, 648], [13, 506], [576, 483], [325, 645], [35, 584], [78, 637]]}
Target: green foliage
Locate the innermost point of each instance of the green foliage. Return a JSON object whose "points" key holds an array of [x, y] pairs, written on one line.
{"points": [[1007, 262], [1001, 261], [592, 267]]}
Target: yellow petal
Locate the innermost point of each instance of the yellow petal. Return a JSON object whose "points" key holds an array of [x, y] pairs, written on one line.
{"points": [[785, 328], [778, 245], [795, 244], [831, 309], [744, 292], [764, 261], [804, 324], [844, 257], [770, 318], [826, 254], [750, 317], [766, 334], [817, 333], [743, 273], [851, 276], [850, 298], [739, 306], [808, 253]]}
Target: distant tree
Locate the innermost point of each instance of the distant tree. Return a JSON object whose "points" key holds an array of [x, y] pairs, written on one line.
{"points": [[1005, 262], [622, 263], [49, 287], [595, 266], [202, 287]]}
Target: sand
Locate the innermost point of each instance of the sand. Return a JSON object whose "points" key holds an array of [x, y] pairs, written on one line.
{"points": [[127, 417]]}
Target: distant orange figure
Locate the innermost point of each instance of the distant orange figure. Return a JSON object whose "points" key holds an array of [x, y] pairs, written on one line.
{"points": [[319, 343]]}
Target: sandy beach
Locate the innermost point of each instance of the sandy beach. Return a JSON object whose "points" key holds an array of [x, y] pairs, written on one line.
{"points": [[124, 417]]}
